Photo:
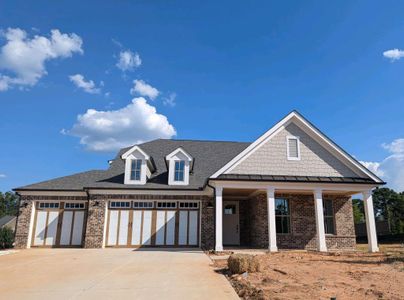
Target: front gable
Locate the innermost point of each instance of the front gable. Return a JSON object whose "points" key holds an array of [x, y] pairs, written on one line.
{"points": [[318, 155], [272, 158]]}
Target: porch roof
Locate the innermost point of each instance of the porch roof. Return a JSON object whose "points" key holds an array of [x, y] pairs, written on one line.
{"points": [[289, 178]]}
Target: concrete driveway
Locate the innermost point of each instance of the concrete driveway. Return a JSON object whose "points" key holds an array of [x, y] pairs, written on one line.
{"points": [[110, 274]]}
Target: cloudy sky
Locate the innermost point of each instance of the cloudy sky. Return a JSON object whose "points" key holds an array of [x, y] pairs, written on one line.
{"points": [[81, 79]]}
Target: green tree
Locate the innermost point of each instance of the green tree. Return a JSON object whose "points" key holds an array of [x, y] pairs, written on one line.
{"points": [[390, 205], [358, 212], [8, 204]]}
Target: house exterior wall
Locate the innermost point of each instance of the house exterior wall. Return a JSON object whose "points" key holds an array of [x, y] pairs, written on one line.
{"points": [[253, 220], [96, 217], [303, 223], [271, 158]]}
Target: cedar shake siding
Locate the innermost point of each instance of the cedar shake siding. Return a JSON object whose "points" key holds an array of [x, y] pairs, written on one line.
{"points": [[271, 158]]}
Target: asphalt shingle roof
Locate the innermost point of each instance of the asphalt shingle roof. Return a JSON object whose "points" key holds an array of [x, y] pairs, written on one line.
{"points": [[209, 156]]}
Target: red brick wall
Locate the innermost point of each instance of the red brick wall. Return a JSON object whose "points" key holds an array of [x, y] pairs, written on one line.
{"points": [[303, 223]]}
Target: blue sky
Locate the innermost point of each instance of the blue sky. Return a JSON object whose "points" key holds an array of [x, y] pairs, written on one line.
{"points": [[203, 70]]}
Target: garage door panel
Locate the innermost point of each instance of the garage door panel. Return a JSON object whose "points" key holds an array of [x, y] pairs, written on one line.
{"points": [[40, 228], [52, 228], [193, 228], [160, 227], [170, 230], [113, 227], [123, 227], [136, 227], [78, 228], [66, 228], [147, 224], [183, 228]]}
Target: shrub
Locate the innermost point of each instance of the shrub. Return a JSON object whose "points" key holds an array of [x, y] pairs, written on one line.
{"points": [[240, 263], [6, 238]]}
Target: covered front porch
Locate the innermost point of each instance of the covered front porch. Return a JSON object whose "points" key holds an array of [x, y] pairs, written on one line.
{"points": [[285, 215]]}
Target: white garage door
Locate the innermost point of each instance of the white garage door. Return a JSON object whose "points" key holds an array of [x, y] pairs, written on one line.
{"points": [[153, 223], [59, 224]]}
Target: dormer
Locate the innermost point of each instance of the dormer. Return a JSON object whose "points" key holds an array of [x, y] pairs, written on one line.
{"points": [[138, 166], [179, 165]]}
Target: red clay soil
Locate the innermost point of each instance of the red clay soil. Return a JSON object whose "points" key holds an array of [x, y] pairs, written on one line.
{"points": [[303, 275]]}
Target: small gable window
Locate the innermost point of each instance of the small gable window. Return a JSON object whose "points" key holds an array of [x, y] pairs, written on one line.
{"points": [[136, 170], [293, 147], [179, 170]]}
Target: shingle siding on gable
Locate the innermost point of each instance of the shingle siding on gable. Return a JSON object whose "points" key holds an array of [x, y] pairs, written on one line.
{"points": [[271, 158]]}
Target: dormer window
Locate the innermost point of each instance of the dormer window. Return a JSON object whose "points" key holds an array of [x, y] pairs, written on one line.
{"points": [[136, 170], [179, 170], [138, 166], [293, 147], [179, 164]]}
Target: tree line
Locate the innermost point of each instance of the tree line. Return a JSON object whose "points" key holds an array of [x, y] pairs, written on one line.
{"points": [[388, 206]]}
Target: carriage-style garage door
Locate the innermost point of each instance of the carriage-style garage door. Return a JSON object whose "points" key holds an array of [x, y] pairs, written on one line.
{"points": [[153, 223], [59, 224]]}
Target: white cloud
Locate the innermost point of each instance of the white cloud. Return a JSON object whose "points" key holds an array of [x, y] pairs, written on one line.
{"points": [[170, 100], [24, 58], [87, 86], [3, 176], [128, 60], [394, 54], [391, 169], [111, 130], [143, 89]]}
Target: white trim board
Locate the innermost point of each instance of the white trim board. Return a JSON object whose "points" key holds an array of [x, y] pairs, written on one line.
{"points": [[312, 131]]}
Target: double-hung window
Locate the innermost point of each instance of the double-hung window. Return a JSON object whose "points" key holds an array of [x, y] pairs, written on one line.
{"points": [[328, 217], [136, 170], [282, 215], [179, 170]]}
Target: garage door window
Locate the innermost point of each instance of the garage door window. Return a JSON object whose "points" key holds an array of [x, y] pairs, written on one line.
{"points": [[145, 204], [166, 204], [189, 205], [120, 204], [74, 205], [49, 205]]}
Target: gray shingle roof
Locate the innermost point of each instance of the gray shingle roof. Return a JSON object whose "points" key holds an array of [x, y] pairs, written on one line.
{"points": [[209, 156], [5, 220]]}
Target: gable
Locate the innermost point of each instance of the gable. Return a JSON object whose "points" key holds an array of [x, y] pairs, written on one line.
{"points": [[268, 155], [271, 158]]}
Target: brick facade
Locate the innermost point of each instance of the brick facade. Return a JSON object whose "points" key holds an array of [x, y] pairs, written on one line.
{"points": [[253, 220], [303, 223]]}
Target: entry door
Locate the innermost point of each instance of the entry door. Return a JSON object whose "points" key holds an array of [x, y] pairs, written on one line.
{"points": [[231, 226]]}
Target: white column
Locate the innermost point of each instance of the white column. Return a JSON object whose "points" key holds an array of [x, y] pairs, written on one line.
{"points": [[370, 221], [219, 219], [318, 203], [271, 219]]}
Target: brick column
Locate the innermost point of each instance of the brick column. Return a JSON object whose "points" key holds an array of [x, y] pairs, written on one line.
{"points": [[95, 222], [23, 223]]}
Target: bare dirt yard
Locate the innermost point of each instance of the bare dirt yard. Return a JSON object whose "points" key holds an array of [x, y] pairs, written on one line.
{"points": [[310, 275]]}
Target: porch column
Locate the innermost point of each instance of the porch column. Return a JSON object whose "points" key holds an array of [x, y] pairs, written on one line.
{"points": [[318, 203], [271, 219], [219, 219], [370, 221]]}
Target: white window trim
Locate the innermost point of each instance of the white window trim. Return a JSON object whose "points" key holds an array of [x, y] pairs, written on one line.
{"points": [[291, 137], [189, 201], [171, 166], [128, 170]]}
